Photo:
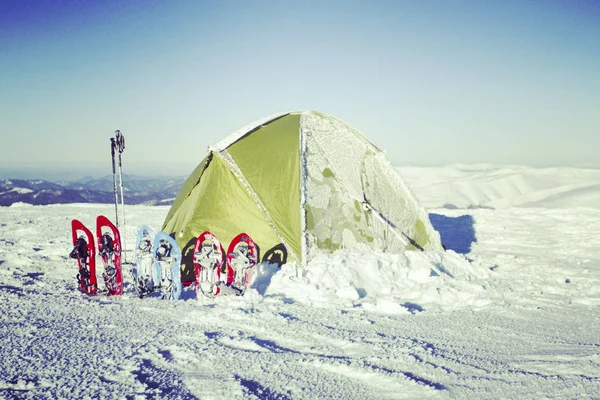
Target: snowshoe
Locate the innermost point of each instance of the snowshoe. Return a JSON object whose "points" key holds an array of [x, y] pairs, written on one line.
{"points": [[209, 259], [84, 250], [109, 248], [242, 257], [167, 264], [145, 277]]}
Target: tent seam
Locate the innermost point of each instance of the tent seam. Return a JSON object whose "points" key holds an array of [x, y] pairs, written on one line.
{"points": [[303, 192], [224, 143], [224, 154]]}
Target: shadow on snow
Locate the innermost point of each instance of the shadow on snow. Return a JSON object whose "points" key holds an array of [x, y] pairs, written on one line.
{"points": [[457, 233]]}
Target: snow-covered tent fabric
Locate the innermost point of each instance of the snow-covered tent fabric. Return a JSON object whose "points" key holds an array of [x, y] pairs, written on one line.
{"points": [[302, 180]]}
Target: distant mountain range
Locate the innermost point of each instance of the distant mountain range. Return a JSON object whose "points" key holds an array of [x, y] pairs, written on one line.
{"points": [[453, 186], [137, 190]]}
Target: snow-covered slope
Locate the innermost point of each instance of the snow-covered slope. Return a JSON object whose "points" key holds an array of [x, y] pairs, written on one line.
{"points": [[483, 185], [511, 311]]}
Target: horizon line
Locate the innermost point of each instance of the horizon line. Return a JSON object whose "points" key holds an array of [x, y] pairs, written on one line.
{"points": [[61, 174]]}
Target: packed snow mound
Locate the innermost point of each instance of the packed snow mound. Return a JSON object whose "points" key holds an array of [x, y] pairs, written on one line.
{"points": [[382, 282], [500, 187]]}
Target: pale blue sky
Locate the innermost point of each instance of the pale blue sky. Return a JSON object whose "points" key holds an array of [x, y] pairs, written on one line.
{"points": [[431, 82]]}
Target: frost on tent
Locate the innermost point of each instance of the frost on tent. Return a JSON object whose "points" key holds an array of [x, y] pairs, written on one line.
{"points": [[354, 198]]}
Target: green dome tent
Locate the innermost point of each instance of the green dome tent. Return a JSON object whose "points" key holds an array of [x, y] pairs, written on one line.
{"points": [[299, 183]]}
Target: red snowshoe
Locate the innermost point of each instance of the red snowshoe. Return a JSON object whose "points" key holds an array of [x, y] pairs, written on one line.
{"points": [[242, 257], [209, 264], [109, 248], [84, 251]]}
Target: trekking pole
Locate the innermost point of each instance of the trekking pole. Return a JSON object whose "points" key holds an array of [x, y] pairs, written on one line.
{"points": [[112, 151], [120, 142]]}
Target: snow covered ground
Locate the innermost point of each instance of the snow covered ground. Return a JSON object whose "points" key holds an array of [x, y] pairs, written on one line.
{"points": [[512, 311]]}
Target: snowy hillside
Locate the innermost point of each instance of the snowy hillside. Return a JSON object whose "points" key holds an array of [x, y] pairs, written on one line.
{"points": [[510, 311], [504, 186]]}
